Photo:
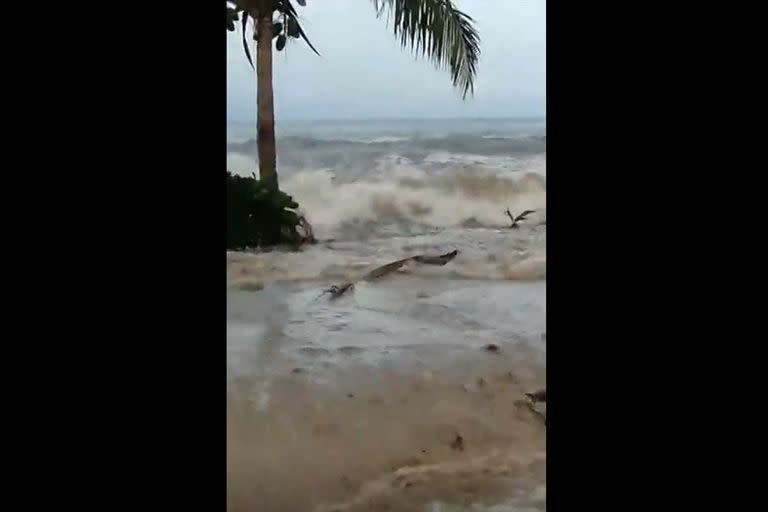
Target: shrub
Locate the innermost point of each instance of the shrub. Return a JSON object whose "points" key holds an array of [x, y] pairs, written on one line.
{"points": [[261, 216]]}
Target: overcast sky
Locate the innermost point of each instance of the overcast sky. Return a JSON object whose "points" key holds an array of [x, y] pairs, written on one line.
{"points": [[364, 73]]}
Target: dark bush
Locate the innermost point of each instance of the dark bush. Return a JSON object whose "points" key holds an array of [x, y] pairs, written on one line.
{"points": [[261, 216]]}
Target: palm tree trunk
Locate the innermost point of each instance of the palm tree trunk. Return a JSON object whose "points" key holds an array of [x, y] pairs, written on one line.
{"points": [[266, 113]]}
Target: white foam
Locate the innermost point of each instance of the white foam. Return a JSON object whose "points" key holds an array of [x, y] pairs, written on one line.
{"points": [[407, 193]]}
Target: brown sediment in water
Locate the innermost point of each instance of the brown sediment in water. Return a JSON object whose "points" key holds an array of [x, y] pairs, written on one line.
{"points": [[484, 254], [370, 439]]}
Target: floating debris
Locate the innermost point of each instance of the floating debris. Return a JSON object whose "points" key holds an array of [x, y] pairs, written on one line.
{"points": [[304, 229], [534, 398], [537, 396], [517, 219], [492, 347], [458, 443], [251, 286], [338, 290]]}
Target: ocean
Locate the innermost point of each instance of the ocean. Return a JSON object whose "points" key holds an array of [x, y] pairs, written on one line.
{"points": [[356, 403]]}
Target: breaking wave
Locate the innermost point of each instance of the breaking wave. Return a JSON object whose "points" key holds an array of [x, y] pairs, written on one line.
{"points": [[375, 196], [408, 200]]}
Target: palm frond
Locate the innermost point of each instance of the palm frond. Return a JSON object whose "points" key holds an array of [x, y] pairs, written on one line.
{"points": [[245, 39], [246, 9], [289, 10], [524, 215], [438, 30]]}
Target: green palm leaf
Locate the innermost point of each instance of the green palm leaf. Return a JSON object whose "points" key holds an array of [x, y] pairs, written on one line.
{"points": [[438, 30], [245, 39]]}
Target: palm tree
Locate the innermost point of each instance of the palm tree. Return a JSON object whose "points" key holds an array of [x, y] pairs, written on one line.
{"points": [[436, 29]]}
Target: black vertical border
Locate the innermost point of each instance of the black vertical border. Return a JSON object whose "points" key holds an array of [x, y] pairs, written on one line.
{"points": [[574, 121], [194, 62], [643, 118], [131, 113], [608, 263]]}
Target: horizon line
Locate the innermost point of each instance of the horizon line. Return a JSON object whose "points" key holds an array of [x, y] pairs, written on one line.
{"points": [[542, 117]]}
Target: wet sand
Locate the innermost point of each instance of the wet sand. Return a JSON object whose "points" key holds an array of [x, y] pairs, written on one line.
{"points": [[385, 439], [357, 405]]}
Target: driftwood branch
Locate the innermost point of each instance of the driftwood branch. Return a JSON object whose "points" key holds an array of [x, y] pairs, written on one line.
{"points": [[338, 290], [538, 396], [516, 220], [534, 398], [511, 217]]}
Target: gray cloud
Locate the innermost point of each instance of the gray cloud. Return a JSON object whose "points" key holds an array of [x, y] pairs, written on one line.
{"points": [[363, 72]]}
